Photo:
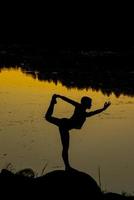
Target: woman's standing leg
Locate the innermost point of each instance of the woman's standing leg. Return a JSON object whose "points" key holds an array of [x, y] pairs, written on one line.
{"points": [[64, 134]]}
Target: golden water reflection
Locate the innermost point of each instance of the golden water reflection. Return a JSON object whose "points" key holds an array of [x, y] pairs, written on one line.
{"points": [[27, 140]]}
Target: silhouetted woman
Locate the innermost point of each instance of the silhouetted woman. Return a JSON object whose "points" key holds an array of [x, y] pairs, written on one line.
{"points": [[75, 122]]}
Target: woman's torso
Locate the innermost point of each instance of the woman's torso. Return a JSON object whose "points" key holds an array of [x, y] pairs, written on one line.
{"points": [[78, 118]]}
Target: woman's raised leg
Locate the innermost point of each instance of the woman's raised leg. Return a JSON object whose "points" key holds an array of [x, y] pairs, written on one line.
{"points": [[49, 113]]}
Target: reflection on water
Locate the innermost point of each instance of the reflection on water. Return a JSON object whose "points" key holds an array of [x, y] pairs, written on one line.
{"points": [[27, 140], [117, 81]]}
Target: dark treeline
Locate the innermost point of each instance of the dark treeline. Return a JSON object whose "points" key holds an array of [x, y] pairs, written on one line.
{"points": [[102, 79], [107, 81], [37, 53], [109, 69]]}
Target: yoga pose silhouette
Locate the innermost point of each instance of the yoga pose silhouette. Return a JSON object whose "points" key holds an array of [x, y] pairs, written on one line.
{"points": [[75, 122]]}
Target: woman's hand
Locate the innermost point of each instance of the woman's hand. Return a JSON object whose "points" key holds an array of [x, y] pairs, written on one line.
{"points": [[107, 104]]}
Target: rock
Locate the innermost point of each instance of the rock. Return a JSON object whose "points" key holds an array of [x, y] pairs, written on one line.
{"points": [[65, 184], [114, 196]]}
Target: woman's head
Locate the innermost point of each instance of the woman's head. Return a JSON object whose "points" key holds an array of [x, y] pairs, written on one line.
{"points": [[86, 102]]}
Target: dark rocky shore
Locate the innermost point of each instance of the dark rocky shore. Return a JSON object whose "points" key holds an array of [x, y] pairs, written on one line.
{"points": [[56, 184]]}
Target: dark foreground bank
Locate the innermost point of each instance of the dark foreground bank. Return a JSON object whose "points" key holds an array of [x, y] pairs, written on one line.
{"points": [[56, 184]]}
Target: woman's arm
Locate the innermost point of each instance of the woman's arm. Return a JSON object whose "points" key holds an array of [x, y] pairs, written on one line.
{"points": [[74, 103], [106, 105]]}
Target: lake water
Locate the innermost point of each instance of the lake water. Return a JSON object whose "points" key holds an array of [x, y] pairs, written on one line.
{"points": [[27, 140]]}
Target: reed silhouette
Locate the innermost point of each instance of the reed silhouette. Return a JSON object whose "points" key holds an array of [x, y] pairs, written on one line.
{"points": [[75, 122]]}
